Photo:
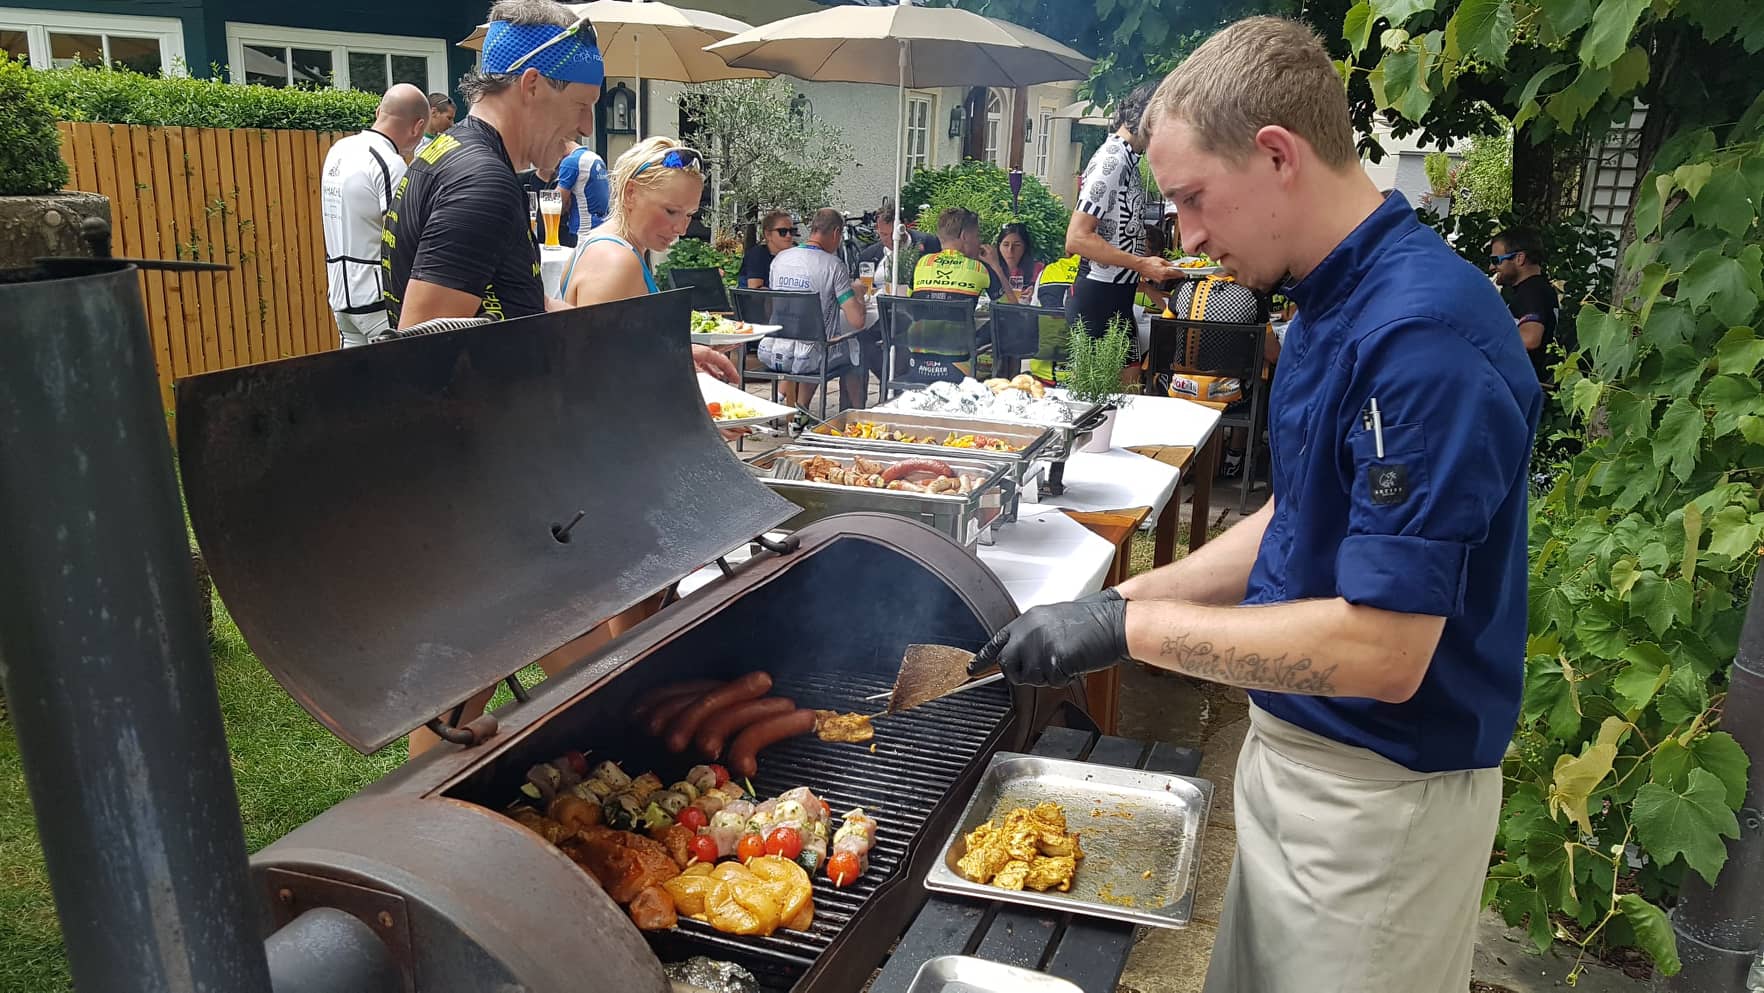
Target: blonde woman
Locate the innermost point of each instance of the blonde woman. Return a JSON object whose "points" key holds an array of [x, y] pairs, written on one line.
{"points": [[655, 191]]}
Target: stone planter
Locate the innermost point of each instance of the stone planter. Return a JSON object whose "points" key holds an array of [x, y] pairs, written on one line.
{"points": [[46, 225]]}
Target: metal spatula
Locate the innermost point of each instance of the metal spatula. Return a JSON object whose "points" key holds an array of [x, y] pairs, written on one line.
{"points": [[931, 672]]}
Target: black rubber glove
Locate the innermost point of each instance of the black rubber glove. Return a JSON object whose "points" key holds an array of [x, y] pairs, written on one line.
{"points": [[1057, 643]]}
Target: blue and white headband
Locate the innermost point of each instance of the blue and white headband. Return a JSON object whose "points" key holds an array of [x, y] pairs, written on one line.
{"points": [[545, 47]]}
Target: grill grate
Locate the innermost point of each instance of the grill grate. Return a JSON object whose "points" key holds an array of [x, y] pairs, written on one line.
{"points": [[919, 757]]}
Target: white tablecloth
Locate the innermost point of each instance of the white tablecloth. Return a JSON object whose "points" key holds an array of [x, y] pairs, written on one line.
{"points": [[1116, 480], [1162, 421], [552, 264], [1046, 557], [1042, 557]]}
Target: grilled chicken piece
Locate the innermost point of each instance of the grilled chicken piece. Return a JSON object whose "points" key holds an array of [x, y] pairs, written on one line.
{"points": [[1051, 873], [1012, 876], [653, 910], [676, 838]]}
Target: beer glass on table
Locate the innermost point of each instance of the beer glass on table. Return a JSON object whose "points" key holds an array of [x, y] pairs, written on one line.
{"points": [[867, 276], [551, 212]]}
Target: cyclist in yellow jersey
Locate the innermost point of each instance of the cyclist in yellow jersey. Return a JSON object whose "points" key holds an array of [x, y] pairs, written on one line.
{"points": [[938, 350]]}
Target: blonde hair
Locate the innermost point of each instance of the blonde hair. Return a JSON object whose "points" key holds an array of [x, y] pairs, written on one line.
{"points": [[1258, 72], [629, 176]]}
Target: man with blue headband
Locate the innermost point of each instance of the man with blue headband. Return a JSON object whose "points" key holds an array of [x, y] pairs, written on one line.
{"points": [[458, 241]]}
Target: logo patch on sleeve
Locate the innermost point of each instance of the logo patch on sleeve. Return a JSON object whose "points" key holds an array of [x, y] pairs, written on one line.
{"points": [[1389, 483]]}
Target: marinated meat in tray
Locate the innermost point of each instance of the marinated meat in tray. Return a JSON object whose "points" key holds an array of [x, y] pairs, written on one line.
{"points": [[910, 475]]}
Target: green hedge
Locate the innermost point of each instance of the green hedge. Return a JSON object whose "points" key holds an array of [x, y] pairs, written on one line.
{"points": [[986, 190], [692, 253], [115, 96], [30, 149]]}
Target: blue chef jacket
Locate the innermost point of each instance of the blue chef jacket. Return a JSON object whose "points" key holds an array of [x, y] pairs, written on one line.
{"points": [[1438, 525]]}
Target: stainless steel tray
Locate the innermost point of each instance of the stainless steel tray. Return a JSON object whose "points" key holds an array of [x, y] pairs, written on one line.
{"points": [[1067, 438], [964, 517], [967, 974], [1033, 441], [1141, 833]]}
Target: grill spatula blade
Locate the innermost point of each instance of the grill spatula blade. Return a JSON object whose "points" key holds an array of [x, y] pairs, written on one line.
{"points": [[930, 672]]}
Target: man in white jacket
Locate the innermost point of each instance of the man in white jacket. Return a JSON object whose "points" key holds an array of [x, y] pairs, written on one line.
{"points": [[359, 176]]}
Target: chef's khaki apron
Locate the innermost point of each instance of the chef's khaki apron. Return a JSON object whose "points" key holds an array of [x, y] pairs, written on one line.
{"points": [[1353, 874]]}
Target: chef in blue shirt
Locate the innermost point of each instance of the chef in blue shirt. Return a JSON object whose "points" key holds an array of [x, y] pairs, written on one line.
{"points": [[1375, 608]]}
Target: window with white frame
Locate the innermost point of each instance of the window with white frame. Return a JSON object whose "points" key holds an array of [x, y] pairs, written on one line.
{"points": [[275, 56], [50, 38], [1043, 139], [995, 118], [921, 111]]}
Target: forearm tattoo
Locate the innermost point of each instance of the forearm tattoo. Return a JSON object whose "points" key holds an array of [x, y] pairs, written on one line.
{"points": [[1256, 672]]}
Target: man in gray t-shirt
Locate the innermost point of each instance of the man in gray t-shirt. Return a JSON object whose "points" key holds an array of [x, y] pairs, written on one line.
{"points": [[814, 266]]}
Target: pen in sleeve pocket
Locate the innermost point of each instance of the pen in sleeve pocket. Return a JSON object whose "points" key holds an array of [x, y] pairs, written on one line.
{"points": [[1377, 428]]}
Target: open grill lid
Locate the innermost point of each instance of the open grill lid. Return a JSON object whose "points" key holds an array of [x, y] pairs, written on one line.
{"points": [[380, 521]]}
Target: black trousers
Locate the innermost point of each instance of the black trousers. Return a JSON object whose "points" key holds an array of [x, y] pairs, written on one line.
{"points": [[1096, 303]]}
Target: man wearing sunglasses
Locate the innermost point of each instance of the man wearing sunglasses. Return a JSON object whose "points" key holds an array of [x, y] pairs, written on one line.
{"points": [[777, 235], [458, 238], [1516, 258]]}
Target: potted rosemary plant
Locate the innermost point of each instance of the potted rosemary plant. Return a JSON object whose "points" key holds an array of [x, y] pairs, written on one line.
{"points": [[1093, 374]]}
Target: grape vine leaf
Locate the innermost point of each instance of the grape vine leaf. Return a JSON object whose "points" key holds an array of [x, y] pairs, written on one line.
{"points": [[1567, 16], [1356, 27], [1629, 72], [1599, 629], [1660, 602], [1719, 283], [1732, 397], [1652, 931], [1739, 352], [1574, 780], [1691, 822], [1671, 765], [1399, 11], [1484, 29], [1647, 672], [1613, 23], [1719, 753], [1724, 202], [1675, 444], [1732, 533], [1691, 176], [1684, 696]]}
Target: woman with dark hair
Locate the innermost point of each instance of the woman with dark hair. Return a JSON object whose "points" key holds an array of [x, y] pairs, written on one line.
{"points": [[1108, 230], [1014, 257]]}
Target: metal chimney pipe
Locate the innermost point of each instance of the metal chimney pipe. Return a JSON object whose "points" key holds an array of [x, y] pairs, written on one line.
{"points": [[104, 665], [1721, 928]]}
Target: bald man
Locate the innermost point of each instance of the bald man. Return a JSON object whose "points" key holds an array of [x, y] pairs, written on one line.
{"points": [[360, 173]]}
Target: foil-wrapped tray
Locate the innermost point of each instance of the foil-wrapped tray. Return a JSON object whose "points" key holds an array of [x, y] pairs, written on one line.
{"points": [[969, 974], [1141, 833]]}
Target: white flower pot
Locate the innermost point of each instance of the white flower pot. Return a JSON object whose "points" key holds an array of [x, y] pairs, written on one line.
{"points": [[1104, 434]]}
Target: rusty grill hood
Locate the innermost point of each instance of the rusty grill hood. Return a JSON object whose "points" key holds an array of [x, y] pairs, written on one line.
{"points": [[380, 520]]}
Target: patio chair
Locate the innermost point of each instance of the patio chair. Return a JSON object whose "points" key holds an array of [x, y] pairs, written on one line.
{"points": [[706, 283], [1016, 335], [912, 322], [799, 312], [1223, 349]]}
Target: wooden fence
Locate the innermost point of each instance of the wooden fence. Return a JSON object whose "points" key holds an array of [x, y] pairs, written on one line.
{"points": [[248, 198]]}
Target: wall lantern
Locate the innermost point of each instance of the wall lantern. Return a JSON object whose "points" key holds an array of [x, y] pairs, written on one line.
{"points": [[955, 121], [621, 110], [802, 109]]}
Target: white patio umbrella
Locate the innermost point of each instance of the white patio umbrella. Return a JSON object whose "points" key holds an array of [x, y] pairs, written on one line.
{"points": [[909, 46], [1085, 112], [639, 37]]}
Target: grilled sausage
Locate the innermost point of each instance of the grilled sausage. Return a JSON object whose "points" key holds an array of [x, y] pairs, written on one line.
{"points": [[662, 694], [742, 754], [663, 715], [906, 467], [749, 687], [714, 733]]}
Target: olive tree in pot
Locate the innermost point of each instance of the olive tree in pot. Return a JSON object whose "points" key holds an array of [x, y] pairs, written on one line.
{"points": [[37, 217], [1093, 374]]}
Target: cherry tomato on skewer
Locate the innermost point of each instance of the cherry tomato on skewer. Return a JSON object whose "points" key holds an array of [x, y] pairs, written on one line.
{"points": [[844, 868], [704, 849], [751, 846], [691, 817], [785, 842]]}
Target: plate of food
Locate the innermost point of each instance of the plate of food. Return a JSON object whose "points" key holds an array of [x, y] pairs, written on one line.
{"points": [[730, 407], [716, 329], [1197, 266], [1101, 840]]}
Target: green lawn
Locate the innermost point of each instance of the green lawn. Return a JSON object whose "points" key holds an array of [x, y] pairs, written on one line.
{"points": [[288, 769]]}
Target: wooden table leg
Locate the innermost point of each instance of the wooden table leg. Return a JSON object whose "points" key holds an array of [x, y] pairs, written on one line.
{"points": [[1164, 551], [1206, 464]]}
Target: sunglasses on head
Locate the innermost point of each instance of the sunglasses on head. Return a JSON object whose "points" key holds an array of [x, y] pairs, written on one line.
{"points": [[1498, 259], [674, 158]]}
